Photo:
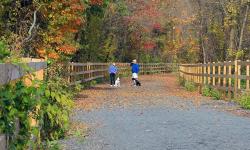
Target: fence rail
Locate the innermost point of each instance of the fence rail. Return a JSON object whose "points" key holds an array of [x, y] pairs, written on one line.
{"points": [[84, 72], [232, 76], [9, 72]]}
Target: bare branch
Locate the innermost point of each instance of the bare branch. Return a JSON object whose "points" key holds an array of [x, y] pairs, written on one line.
{"points": [[32, 26]]}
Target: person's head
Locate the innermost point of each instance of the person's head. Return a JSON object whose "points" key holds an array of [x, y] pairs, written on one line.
{"points": [[134, 61], [113, 64]]}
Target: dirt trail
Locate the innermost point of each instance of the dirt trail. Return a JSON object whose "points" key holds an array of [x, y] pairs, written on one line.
{"points": [[105, 96], [160, 115]]}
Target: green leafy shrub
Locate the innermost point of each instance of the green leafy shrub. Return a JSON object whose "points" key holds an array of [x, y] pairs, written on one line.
{"points": [[17, 104], [50, 105], [215, 94], [77, 88], [4, 52], [181, 81], [211, 92], [244, 101], [93, 83], [189, 86], [55, 109], [206, 91]]}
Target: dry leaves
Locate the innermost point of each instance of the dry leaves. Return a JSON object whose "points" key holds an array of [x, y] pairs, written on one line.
{"points": [[78, 129], [155, 90]]}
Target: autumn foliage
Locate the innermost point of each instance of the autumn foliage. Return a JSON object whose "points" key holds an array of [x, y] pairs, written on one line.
{"points": [[96, 2], [64, 19], [121, 30]]}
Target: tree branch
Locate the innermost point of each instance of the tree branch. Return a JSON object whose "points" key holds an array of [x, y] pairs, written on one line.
{"points": [[32, 26]]}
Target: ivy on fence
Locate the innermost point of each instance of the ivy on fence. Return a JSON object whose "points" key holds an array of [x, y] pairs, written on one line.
{"points": [[31, 115]]}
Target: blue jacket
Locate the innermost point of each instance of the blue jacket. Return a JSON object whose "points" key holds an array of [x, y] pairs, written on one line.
{"points": [[113, 69], [135, 68]]}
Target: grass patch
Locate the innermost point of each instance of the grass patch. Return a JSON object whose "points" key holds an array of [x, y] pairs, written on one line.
{"points": [[211, 92], [181, 81], [190, 86], [216, 94], [244, 101], [206, 91]]}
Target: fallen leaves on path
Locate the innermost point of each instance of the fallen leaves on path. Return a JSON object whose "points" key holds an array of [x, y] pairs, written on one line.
{"points": [[155, 90], [78, 129]]}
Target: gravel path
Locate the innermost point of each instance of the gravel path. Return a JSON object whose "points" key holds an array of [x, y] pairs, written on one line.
{"points": [[160, 115]]}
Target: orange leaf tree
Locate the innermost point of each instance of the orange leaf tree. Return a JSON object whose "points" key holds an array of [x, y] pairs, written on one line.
{"points": [[63, 19]]}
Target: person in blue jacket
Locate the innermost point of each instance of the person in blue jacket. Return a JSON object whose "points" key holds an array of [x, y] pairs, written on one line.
{"points": [[135, 68], [112, 72]]}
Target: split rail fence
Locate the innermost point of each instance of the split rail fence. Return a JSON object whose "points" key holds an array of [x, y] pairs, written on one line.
{"points": [[232, 77], [84, 72]]}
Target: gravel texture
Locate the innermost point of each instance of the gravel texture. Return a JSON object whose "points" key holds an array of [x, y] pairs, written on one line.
{"points": [[160, 115]]}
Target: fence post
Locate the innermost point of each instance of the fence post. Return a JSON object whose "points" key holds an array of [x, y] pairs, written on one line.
{"points": [[197, 72], [224, 77], [194, 71], [205, 74], [213, 73], [239, 74], [247, 75], [235, 78], [185, 75], [224, 74], [189, 71], [230, 80], [219, 73], [87, 69], [3, 142], [201, 74], [199, 78], [209, 73]]}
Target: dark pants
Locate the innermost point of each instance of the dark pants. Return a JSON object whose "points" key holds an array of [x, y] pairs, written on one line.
{"points": [[112, 78]]}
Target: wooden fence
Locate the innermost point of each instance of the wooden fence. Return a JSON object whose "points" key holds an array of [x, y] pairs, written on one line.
{"points": [[12, 72], [232, 77], [84, 72]]}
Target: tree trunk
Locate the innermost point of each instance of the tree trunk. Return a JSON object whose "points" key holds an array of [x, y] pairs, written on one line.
{"points": [[201, 35], [243, 28], [203, 51], [231, 40]]}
